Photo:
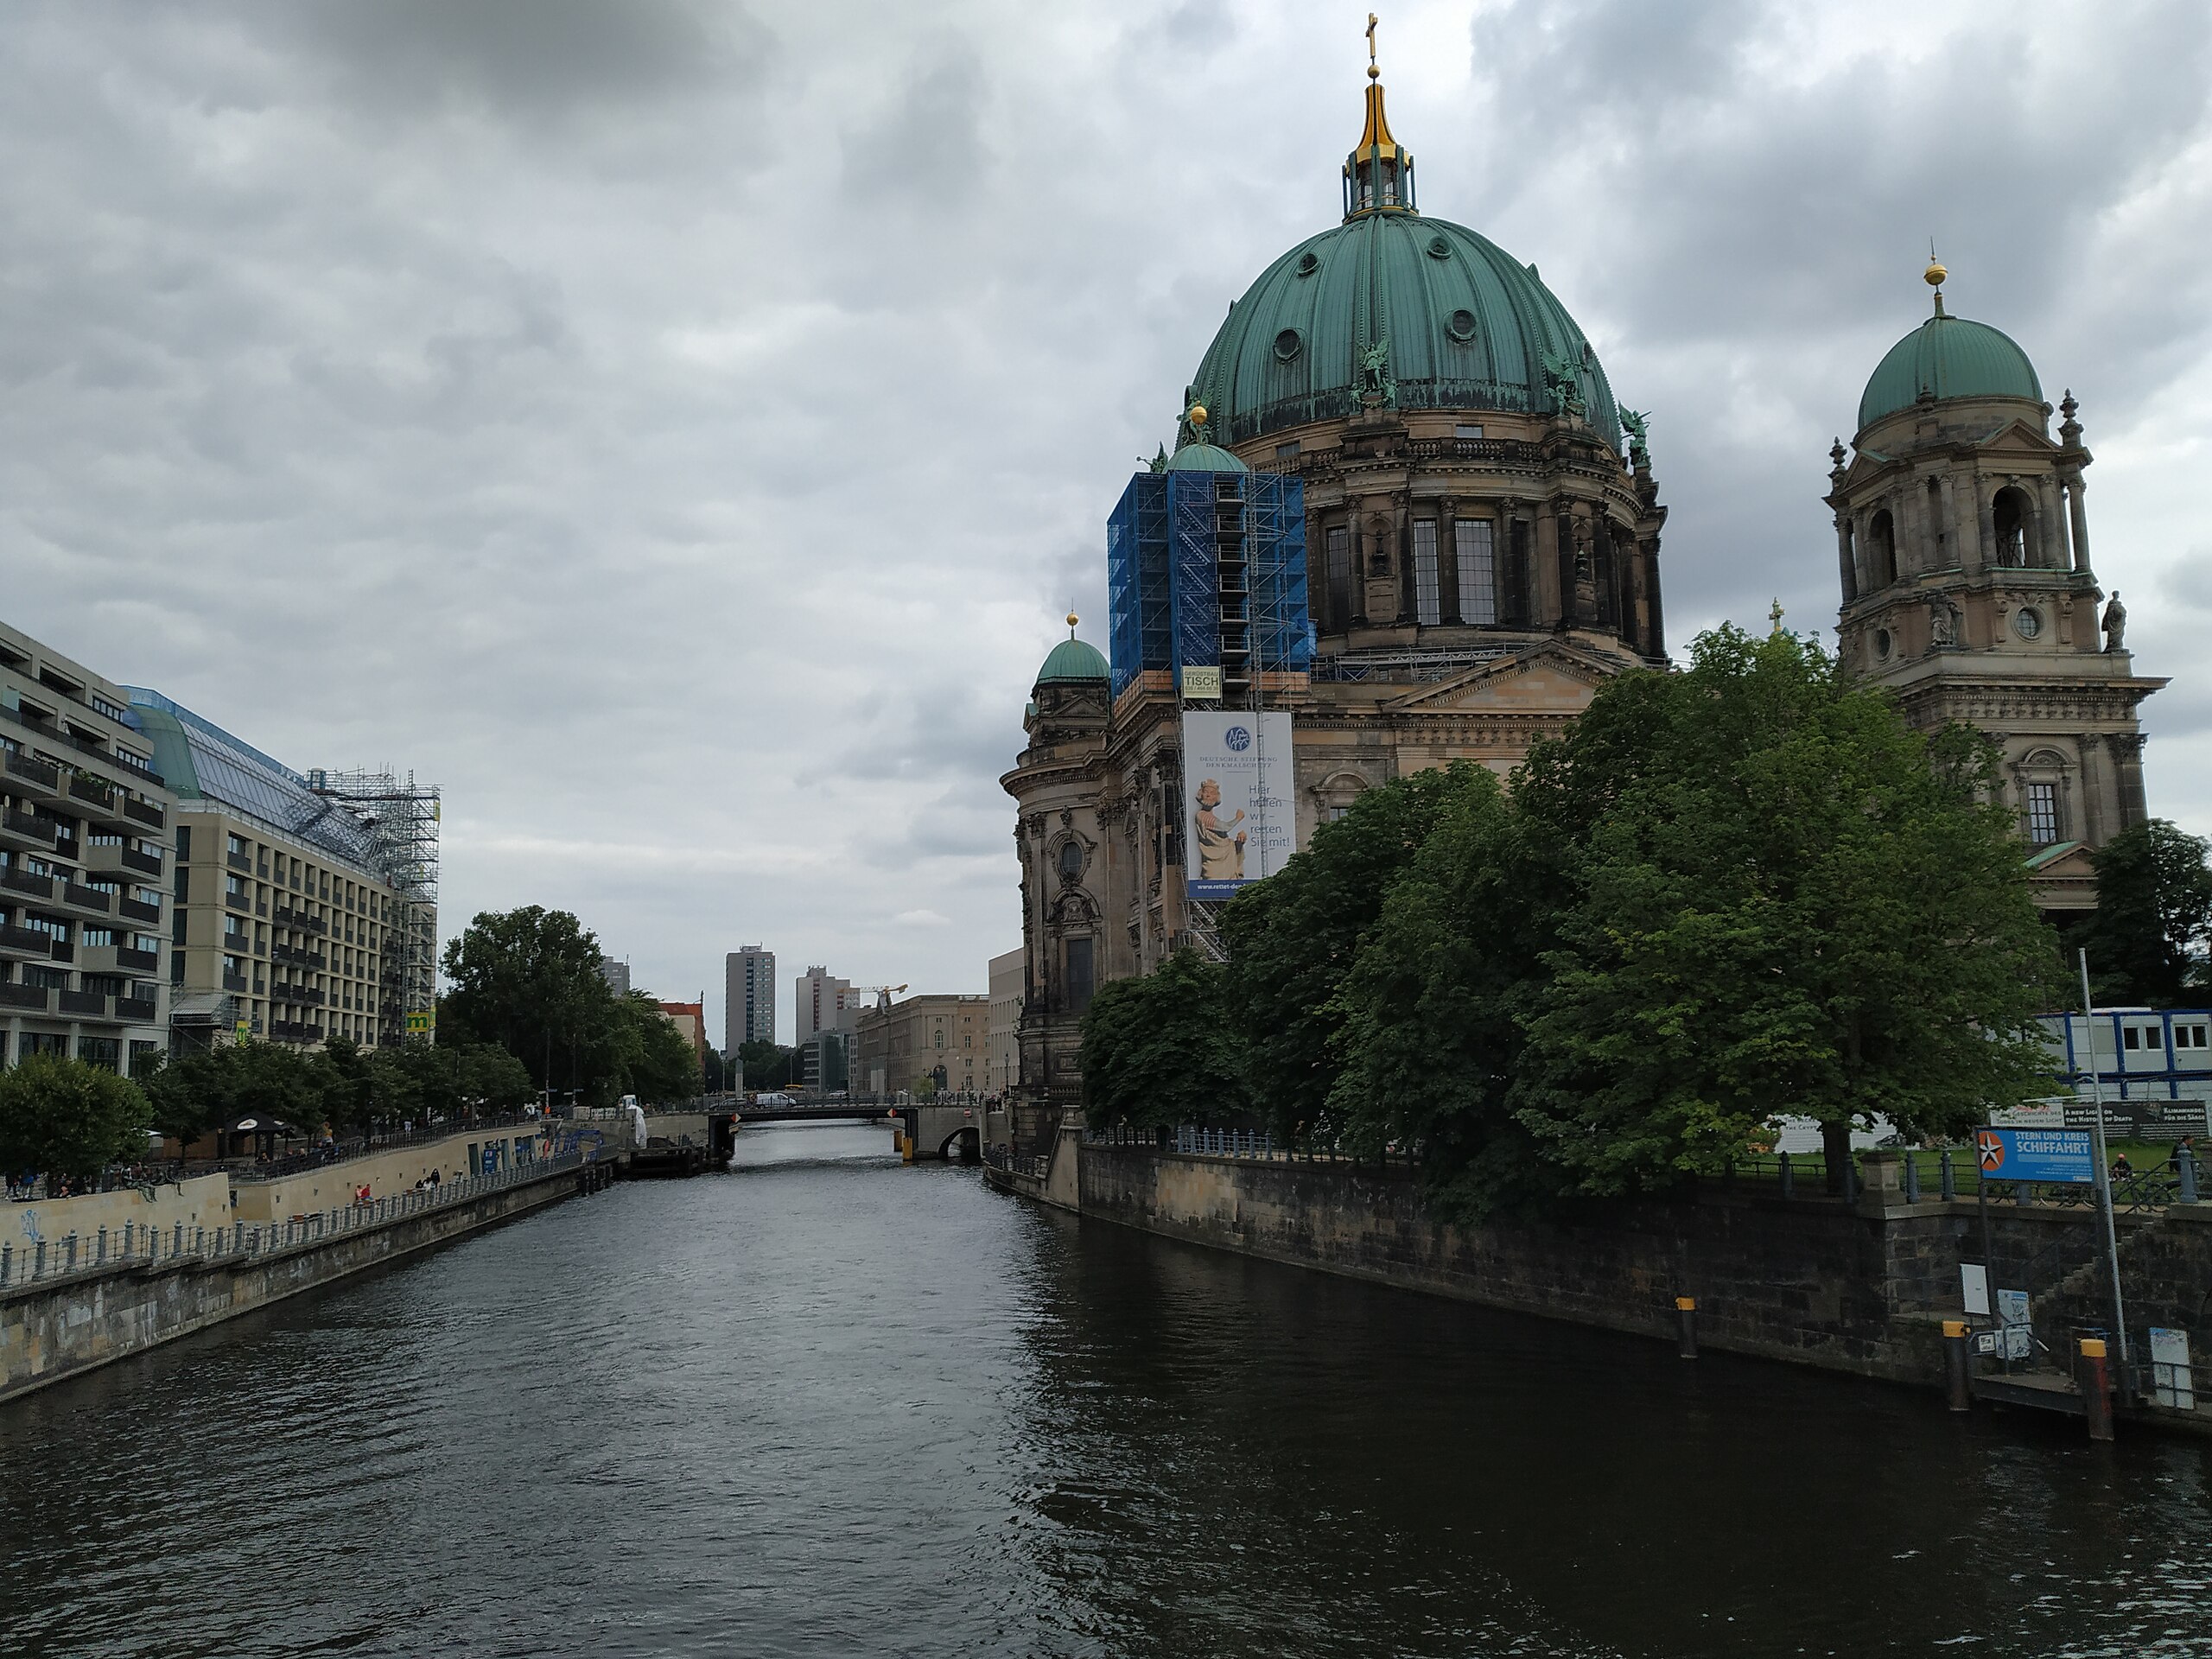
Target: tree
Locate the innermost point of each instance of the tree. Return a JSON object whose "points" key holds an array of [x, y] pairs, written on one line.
{"points": [[2153, 922], [1775, 900], [66, 1117], [1292, 939], [1430, 1045], [766, 1067], [1161, 1050], [658, 1061], [529, 981]]}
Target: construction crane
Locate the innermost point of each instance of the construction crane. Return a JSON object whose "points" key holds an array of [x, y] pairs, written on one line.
{"points": [[883, 995]]}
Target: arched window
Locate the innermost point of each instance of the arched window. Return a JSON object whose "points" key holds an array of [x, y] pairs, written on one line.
{"points": [[2042, 780], [1945, 554], [1881, 549], [2010, 510]]}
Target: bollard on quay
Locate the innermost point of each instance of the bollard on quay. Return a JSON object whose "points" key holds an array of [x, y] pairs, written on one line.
{"points": [[1958, 1386], [2096, 1389], [2188, 1173], [1950, 1176], [1686, 1312]]}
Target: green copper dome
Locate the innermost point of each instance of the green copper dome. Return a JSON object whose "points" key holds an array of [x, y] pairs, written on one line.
{"points": [[1464, 325], [1072, 661], [1204, 458], [1948, 357]]}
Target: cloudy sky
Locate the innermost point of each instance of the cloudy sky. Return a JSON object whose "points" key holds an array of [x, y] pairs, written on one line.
{"points": [[675, 429]]}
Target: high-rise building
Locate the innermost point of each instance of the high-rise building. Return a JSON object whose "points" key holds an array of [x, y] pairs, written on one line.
{"points": [[616, 973], [749, 981], [84, 872], [823, 1002]]}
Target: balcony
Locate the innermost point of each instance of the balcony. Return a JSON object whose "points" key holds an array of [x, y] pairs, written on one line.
{"points": [[235, 981], [138, 911], [37, 998], [242, 863], [44, 779], [29, 940], [238, 944], [61, 951], [92, 790], [93, 1004], [137, 1013], [110, 858], [87, 898], [146, 813], [238, 902], [37, 886], [31, 827], [137, 961]]}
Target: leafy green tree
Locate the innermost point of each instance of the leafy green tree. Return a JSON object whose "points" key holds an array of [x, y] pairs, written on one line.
{"points": [[2147, 938], [1160, 1050], [529, 981], [344, 1073], [1293, 938], [658, 1061], [766, 1066], [1430, 1044], [1774, 903], [66, 1117]]}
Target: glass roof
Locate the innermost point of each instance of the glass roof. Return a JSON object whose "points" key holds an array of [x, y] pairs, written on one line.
{"points": [[202, 761]]}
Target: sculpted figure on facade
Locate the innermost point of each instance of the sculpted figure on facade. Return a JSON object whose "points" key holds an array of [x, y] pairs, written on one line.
{"points": [[2115, 622]]}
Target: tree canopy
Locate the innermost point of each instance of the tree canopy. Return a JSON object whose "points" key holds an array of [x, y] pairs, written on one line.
{"points": [[2152, 925], [66, 1117], [1727, 895]]}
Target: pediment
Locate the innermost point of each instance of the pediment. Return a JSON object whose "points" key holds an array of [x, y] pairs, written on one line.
{"points": [[1546, 678]]}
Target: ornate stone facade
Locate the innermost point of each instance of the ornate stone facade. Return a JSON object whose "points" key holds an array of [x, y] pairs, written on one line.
{"points": [[1963, 548]]}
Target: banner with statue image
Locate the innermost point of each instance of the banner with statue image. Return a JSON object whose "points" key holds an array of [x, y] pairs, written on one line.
{"points": [[1239, 821]]}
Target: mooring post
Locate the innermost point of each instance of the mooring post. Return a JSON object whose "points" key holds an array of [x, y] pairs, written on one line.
{"points": [[1911, 1177], [7, 1262], [2188, 1173], [100, 1248], [1686, 1312], [1788, 1184], [1958, 1386], [2096, 1389], [1950, 1176]]}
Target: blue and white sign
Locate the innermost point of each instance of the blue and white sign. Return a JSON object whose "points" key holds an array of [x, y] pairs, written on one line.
{"points": [[2035, 1154]]}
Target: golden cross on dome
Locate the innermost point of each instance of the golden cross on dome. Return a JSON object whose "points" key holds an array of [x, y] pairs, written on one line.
{"points": [[1372, 74]]}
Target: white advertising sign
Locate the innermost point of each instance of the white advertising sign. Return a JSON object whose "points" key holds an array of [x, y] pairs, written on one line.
{"points": [[1239, 821], [2030, 1114]]}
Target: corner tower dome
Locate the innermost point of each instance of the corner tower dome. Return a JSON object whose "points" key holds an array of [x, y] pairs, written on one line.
{"points": [[1445, 316], [1948, 357]]}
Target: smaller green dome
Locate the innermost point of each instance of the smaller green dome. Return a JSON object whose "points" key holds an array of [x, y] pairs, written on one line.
{"points": [[1948, 357], [1204, 458], [1072, 662]]}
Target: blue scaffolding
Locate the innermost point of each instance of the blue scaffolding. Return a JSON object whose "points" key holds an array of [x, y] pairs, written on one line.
{"points": [[1208, 569]]}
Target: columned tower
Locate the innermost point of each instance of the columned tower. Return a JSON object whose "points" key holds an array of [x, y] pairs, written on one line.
{"points": [[1963, 547]]}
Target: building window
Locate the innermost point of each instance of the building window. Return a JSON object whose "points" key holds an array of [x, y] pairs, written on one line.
{"points": [[1079, 974], [1428, 609], [2042, 814], [1477, 570], [183, 842], [1466, 433], [1339, 575]]}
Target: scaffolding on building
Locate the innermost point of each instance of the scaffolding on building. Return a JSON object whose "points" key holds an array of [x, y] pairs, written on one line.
{"points": [[400, 817]]}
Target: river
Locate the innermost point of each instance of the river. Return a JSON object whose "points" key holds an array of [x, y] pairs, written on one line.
{"points": [[827, 1405]]}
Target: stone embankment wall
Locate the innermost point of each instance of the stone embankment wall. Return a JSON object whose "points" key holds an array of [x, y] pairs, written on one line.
{"points": [[203, 1201], [58, 1327], [1857, 1288], [328, 1186]]}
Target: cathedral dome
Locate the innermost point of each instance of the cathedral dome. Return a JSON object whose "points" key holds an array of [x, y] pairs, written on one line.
{"points": [[1204, 457], [1948, 357], [1072, 662], [1467, 327]]}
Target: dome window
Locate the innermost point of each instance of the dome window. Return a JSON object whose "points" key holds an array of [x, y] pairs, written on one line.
{"points": [[1439, 248], [1461, 326], [1881, 642], [1309, 263], [1288, 344], [2029, 622]]}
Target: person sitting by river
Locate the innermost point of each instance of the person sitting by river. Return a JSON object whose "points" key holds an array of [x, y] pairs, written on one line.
{"points": [[2121, 1169]]}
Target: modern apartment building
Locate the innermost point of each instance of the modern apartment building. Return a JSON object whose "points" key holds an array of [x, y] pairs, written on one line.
{"points": [[1002, 1050], [616, 973], [823, 1002], [749, 982], [284, 926], [925, 1041], [85, 814]]}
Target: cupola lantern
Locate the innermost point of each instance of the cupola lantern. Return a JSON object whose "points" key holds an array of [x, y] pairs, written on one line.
{"points": [[1379, 173]]}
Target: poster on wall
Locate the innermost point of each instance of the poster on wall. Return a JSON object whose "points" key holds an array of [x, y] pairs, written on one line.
{"points": [[1239, 822]]}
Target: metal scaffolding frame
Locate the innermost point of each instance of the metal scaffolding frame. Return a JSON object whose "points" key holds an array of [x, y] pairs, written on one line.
{"points": [[402, 819]]}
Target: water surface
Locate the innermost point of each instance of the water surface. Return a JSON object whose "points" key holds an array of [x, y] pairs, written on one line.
{"points": [[827, 1405]]}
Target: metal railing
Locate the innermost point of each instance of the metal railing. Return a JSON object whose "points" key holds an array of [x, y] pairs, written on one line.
{"points": [[110, 1249]]}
